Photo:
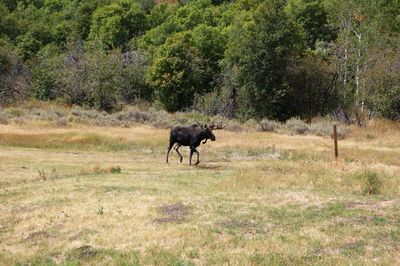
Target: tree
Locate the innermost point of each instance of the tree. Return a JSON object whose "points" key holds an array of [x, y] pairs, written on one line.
{"points": [[314, 79], [313, 19], [175, 73], [258, 54], [14, 79], [8, 24], [134, 86], [115, 24], [382, 81], [44, 73]]}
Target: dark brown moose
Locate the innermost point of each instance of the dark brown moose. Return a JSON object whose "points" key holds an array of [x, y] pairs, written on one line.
{"points": [[191, 136]]}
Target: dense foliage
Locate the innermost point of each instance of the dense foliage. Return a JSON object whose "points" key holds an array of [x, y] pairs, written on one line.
{"points": [[246, 58]]}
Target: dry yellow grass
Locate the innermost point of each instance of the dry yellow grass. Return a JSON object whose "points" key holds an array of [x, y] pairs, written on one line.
{"points": [[255, 198]]}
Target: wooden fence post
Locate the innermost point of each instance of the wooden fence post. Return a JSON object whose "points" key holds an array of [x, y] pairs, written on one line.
{"points": [[335, 142]]}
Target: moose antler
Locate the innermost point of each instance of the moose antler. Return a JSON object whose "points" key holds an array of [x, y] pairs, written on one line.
{"points": [[213, 126], [200, 125]]}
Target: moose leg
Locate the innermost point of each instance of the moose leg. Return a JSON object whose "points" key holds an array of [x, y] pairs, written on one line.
{"points": [[198, 156], [177, 151], [190, 156], [169, 148], [192, 150]]}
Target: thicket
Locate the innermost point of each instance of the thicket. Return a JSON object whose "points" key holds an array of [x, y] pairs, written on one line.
{"points": [[242, 59]]}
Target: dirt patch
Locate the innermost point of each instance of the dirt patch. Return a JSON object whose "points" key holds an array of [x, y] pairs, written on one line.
{"points": [[7, 225], [327, 251], [356, 247], [301, 198], [173, 213], [81, 234], [210, 166], [26, 209], [377, 207], [75, 237], [84, 252], [38, 236]]}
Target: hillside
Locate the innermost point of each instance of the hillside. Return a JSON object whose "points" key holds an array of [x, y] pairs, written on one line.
{"points": [[274, 59]]}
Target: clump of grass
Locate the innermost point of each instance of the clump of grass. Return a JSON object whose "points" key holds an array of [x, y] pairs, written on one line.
{"points": [[368, 182], [159, 256], [43, 176], [115, 169], [372, 183], [100, 210], [97, 169]]}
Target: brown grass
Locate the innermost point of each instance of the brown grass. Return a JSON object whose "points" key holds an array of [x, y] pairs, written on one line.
{"points": [[255, 199]]}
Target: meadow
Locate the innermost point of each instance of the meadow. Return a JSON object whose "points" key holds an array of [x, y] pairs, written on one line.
{"points": [[79, 194]]}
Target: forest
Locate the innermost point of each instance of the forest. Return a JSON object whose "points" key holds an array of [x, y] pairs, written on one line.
{"points": [[241, 59]]}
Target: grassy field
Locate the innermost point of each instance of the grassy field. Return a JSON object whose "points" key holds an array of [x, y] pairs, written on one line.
{"points": [[104, 195]]}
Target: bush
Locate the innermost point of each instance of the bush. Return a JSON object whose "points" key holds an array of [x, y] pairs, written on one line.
{"points": [[233, 126], [161, 119], [3, 119], [102, 80], [372, 183], [268, 125], [297, 126], [14, 78], [383, 79], [133, 114], [325, 128], [61, 122], [15, 111]]}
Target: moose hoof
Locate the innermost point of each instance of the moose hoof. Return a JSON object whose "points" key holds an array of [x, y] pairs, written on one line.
{"points": [[197, 163]]}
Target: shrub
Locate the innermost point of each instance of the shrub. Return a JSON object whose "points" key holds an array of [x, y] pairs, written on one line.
{"points": [[133, 114], [3, 119], [372, 183], [19, 121], [15, 111], [233, 126], [297, 126], [61, 122], [325, 128], [52, 115], [14, 78], [268, 125], [115, 169]]}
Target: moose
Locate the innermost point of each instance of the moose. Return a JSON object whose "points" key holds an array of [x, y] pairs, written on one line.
{"points": [[191, 136]]}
